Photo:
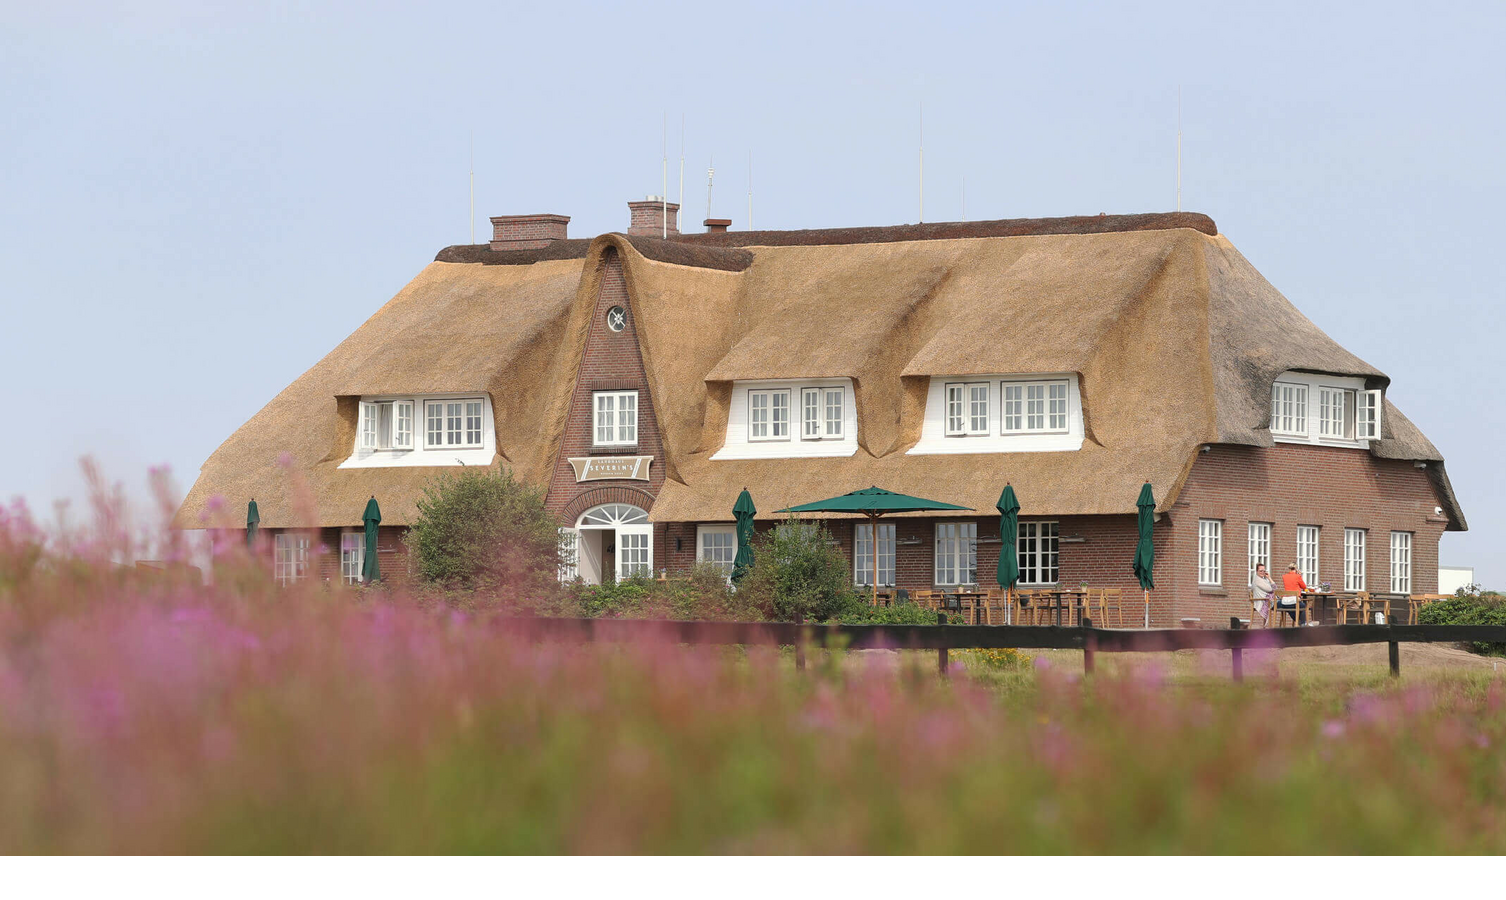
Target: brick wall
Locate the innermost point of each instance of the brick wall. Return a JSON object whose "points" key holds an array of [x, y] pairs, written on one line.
{"points": [[324, 554], [611, 361], [1289, 485], [647, 217]]}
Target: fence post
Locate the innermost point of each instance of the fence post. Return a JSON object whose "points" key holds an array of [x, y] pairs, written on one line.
{"points": [[941, 654], [1393, 650], [799, 642], [1236, 653], [1089, 645]]}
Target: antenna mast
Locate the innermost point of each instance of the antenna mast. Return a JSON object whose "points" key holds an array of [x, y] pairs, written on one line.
{"points": [[1179, 148], [664, 192], [473, 186], [750, 190], [710, 173], [922, 162], [682, 162]]}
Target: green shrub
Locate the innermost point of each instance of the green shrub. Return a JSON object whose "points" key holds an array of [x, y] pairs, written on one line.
{"points": [[1486, 608], [701, 594], [798, 571], [483, 530], [861, 612]]}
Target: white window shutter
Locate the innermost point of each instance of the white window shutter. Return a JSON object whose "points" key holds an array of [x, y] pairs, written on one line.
{"points": [[1368, 420]]}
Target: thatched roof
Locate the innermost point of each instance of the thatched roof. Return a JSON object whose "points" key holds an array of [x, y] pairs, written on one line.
{"points": [[1176, 339]]}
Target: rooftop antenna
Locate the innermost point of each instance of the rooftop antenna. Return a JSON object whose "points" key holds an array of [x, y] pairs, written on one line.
{"points": [[922, 161], [964, 198], [1179, 148], [473, 185], [710, 173], [664, 192], [682, 162], [750, 190]]}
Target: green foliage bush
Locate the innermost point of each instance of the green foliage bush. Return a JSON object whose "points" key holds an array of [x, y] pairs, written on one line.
{"points": [[483, 530], [799, 572], [702, 594], [861, 612], [1485, 608]]}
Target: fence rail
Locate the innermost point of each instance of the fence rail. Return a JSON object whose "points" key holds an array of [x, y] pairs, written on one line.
{"points": [[942, 638]]}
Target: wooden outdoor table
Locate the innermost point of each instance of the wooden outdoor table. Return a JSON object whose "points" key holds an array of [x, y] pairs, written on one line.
{"points": [[1059, 600], [959, 601]]}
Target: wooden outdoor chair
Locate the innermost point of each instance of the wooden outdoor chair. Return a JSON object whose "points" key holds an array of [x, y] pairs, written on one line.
{"points": [[928, 598], [1296, 610], [994, 599], [1111, 600], [1359, 604], [1024, 604], [1416, 602], [1256, 619]]}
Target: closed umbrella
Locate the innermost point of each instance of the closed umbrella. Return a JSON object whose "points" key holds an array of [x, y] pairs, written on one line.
{"points": [[372, 517], [743, 511], [1009, 531], [1145, 550], [253, 520], [873, 502]]}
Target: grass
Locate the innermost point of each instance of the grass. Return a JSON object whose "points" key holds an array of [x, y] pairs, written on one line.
{"points": [[151, 715]]}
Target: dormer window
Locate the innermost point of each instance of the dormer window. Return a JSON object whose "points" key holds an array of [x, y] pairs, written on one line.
{"points": [[1323, 409], [387, 425], [822, 413], [452, 423], [1002, 414], [789, 418], [769, 415]]}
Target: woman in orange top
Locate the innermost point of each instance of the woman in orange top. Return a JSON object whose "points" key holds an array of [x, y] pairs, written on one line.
{"points": [[1292, 581]]}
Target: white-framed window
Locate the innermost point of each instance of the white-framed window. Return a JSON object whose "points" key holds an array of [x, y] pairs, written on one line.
{"points": [[1334, 408], [569, 565], [1038, 550], [967, 409], [290, 557], [452, 423], [1210, 552], [386, 425], [1289, 409], [1367, 415], [1259, 549], [616, 418], [1307, 554], [634, 555], [1034, 407], [1401, 562], [717, 544], [769, 415], [957, 553], [352, 556], [862, 554], [822, 413], [1354, 559]]}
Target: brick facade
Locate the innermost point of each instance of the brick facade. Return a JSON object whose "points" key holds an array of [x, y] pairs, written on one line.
{"points": [[647, 217], [528, 232]]}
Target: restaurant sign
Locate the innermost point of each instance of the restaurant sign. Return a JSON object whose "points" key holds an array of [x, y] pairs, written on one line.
{"points": [[604, 468]]}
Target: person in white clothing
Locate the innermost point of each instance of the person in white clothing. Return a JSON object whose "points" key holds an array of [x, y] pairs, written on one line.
{"points": [[1262, 591]]}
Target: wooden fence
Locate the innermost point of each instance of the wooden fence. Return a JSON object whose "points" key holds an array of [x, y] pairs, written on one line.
{"points": [[942, 637]]}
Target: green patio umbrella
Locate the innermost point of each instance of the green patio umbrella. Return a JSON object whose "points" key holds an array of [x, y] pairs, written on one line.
{"points": [[372, 517], [743, 511], [873, 502], [1145, 550], [253, 519], [1009, 533]]}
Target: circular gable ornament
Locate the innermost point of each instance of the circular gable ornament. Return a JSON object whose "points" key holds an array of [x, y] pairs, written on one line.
{"points": [[616, 318]]}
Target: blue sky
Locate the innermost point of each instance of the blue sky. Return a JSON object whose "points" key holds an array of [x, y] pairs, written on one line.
{"points": [[201, 199]]}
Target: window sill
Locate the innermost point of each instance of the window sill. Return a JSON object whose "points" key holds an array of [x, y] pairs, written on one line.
{"points": [[1213, 590], [612, 449]]}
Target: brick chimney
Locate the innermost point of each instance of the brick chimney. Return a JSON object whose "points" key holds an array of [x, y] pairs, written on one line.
{"points": [[714, 226], [647, 217], [527, 232]]}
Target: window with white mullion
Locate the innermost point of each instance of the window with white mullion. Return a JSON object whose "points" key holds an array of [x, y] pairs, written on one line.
{"points": [[402, 424], [369, 426], [1401, 562], [1354, 559], [769, 415], [1334, 414], [1259, 548], [956, 553], [717, 545], [616, 418], [1307, 553], [1038, 552], [386, 425], [834, 404], [453, 423], [1210, 552], [290, 557], [1367, 415], [967, 409], [569, 542], [352, 556], [862, 554], [811, 425], [1034, 407], [1289, 409]]}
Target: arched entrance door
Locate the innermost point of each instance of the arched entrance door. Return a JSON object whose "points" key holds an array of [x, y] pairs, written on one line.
{"points": [[614, 539]]}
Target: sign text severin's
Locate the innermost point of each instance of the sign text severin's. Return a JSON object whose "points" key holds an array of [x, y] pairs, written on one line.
{"points": [[602, 468]]}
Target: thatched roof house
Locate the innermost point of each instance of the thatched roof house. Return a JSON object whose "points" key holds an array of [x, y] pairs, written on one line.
{"points": [[1173, 338]]}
